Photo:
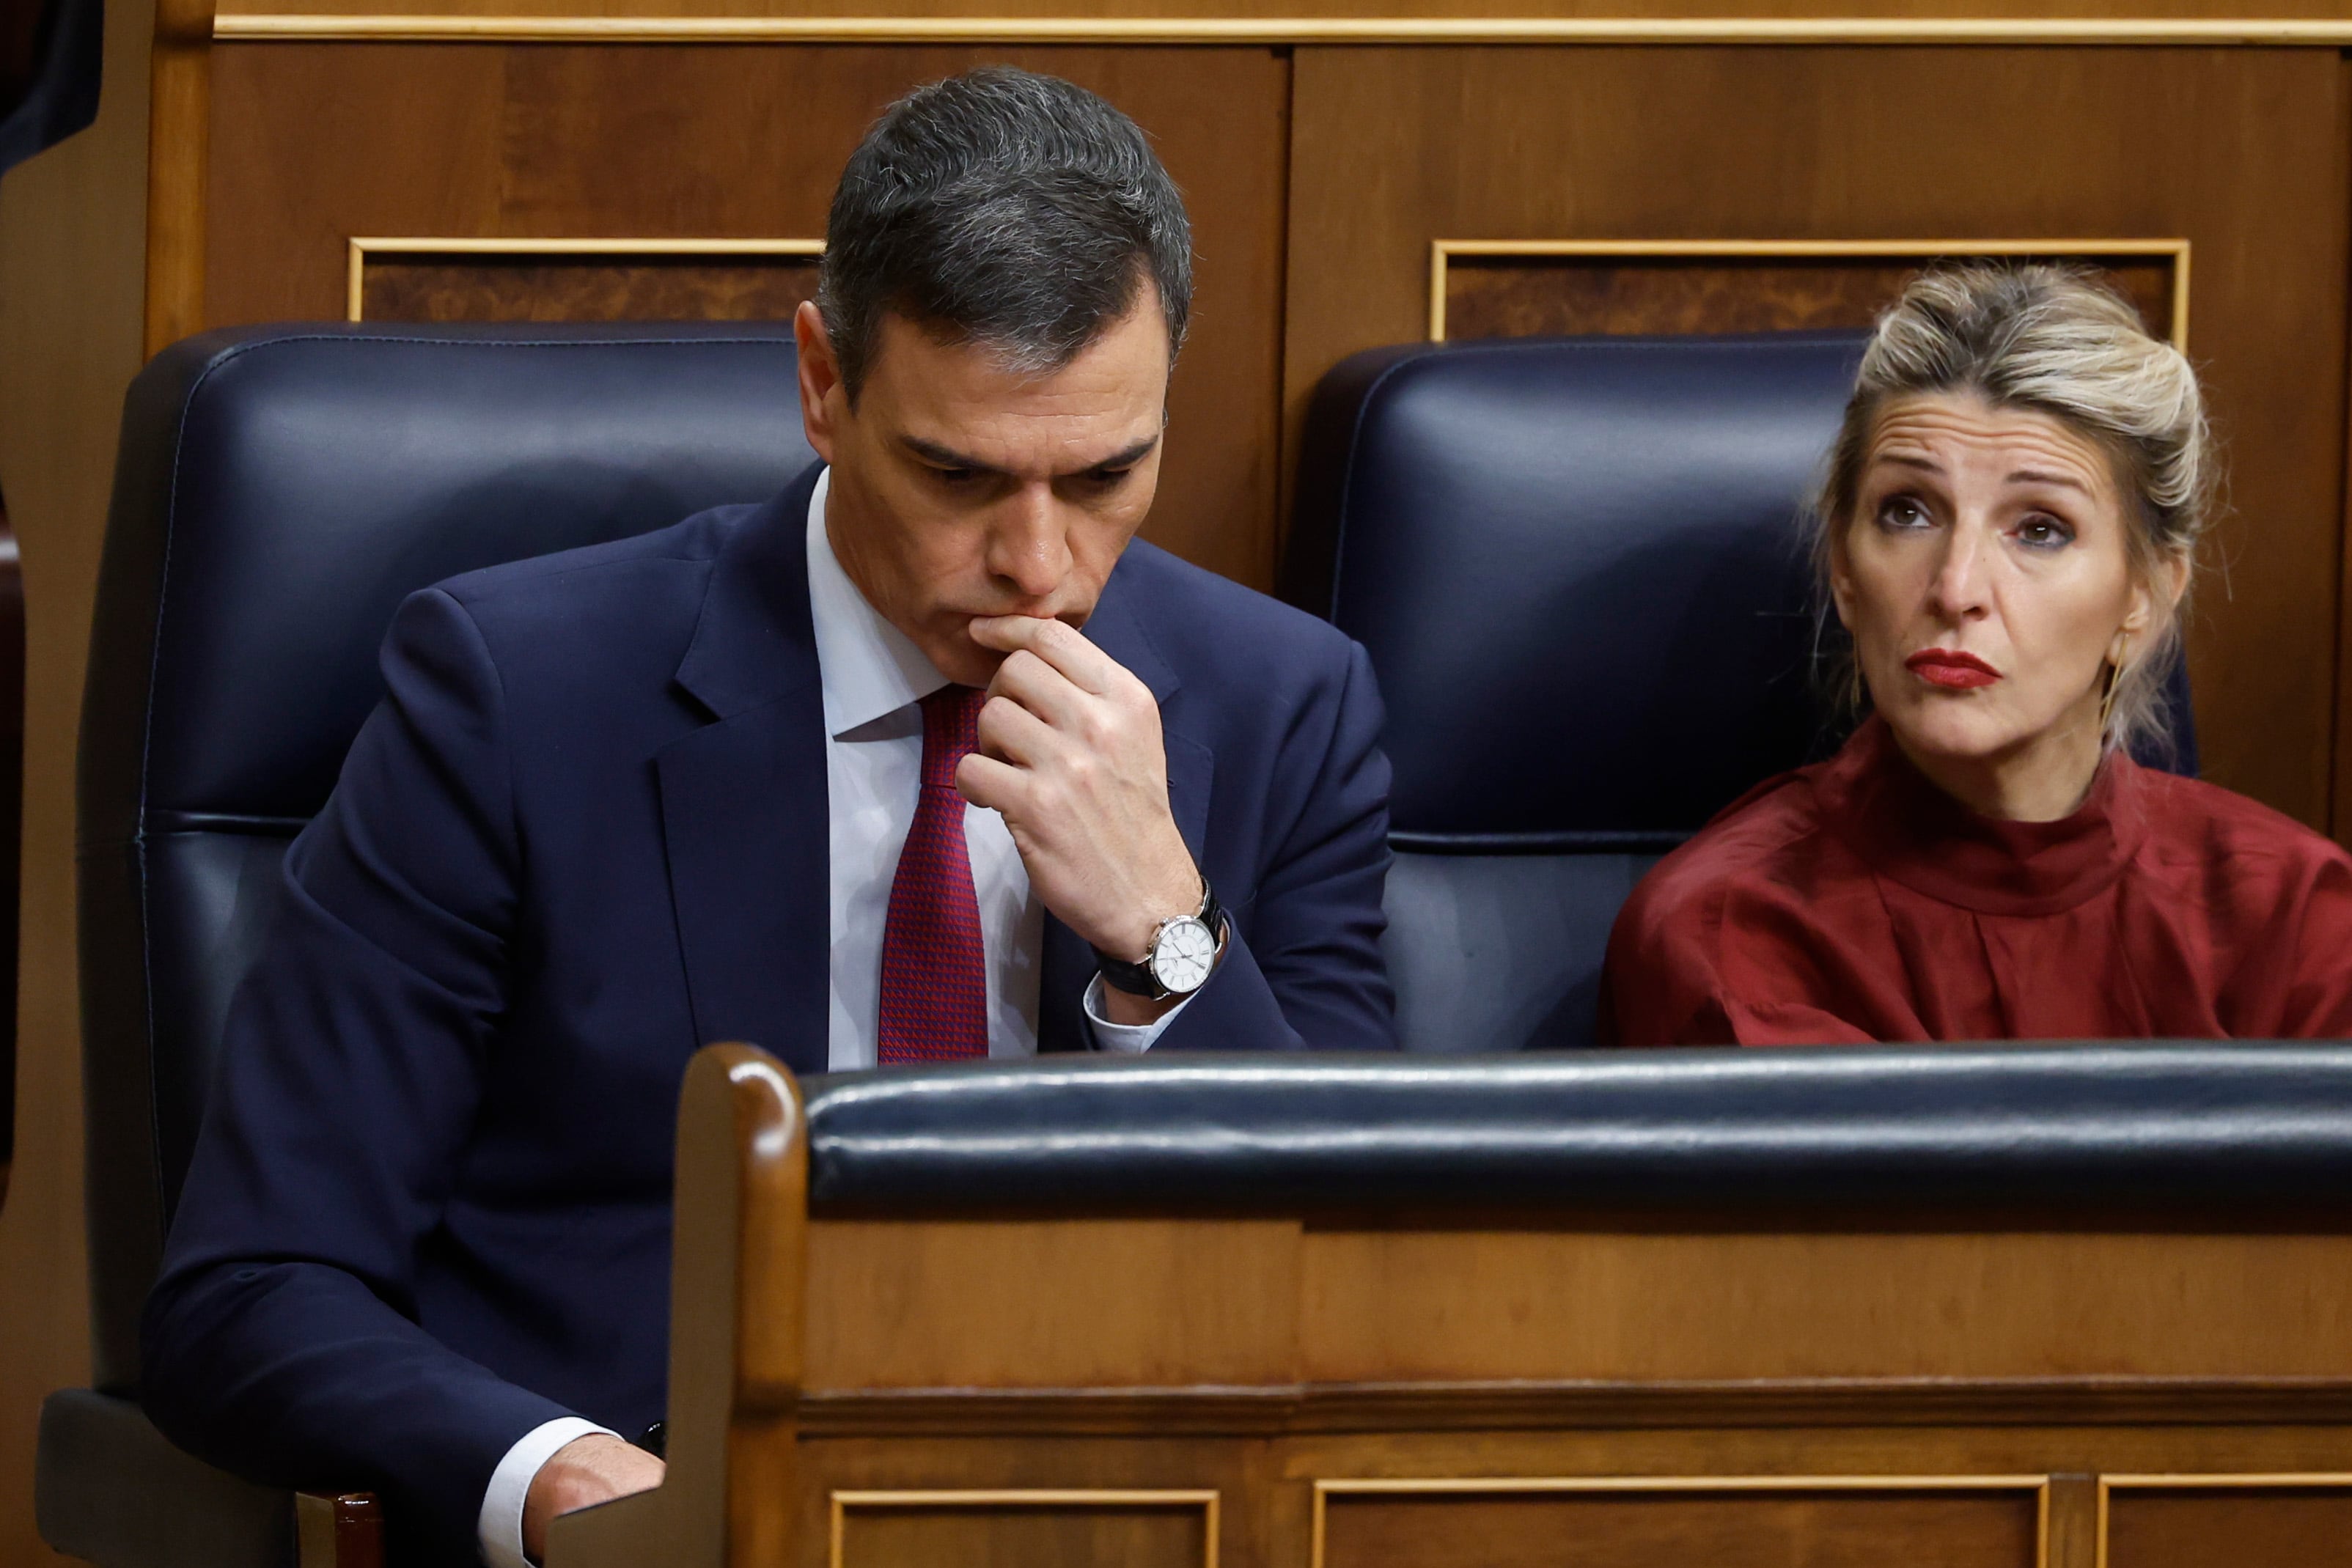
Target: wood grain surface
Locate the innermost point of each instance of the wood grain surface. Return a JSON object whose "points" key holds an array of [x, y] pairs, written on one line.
{"points": [[438, 288], [1439, 1305], [1266, 1472], [72, 309], [944, 1305], [1809, 1529], [1532, 295], [1933, 9], [1010, 1532], [1526, 1404], [1394, 148], [179, 128], [953, 1304], [1267, 1485], [1240, 1475], [314, 143], [2228, 1527]]}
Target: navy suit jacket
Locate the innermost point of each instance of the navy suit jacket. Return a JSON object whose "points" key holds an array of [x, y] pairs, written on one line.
{"points": [[584, 833]]}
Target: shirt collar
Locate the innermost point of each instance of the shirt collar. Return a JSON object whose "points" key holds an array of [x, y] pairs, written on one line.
{"points": [[869, 667]]}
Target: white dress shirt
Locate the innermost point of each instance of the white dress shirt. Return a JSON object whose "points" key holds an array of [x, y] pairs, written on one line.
{"points": [[874, 678]]}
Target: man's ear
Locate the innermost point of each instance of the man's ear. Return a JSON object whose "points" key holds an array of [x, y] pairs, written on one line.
{"points": [[824, 402]]}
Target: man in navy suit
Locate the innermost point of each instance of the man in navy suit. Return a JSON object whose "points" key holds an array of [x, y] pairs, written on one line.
{"points": [[923, 759]]}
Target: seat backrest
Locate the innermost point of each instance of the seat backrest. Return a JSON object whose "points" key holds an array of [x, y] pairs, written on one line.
{"points": [[1578, 567], [279, 491]]}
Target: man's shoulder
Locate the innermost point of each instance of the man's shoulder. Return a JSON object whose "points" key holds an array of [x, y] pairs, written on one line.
{"points": [[597, 626], [613, 569], [1212, 627]]}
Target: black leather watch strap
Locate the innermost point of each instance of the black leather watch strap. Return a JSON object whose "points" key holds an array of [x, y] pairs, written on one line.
{"points": [[1138, 980]]}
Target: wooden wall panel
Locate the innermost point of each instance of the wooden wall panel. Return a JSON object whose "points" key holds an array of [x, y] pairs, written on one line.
{"points": [[1192, 1481], [942, 1304], [315, 143], [1909, 1478], [1814, 1528], [1393, 148], [1902, 1486], [444, 287], [1649, 1308], [1007, 1530], [1095, 10], [1532, 295], [2184, 1525], [72, 272]]}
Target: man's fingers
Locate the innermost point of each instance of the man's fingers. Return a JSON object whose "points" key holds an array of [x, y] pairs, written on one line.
{"points": [[1029, 681], [1011, 732], [992, 785], [1057, 642]]}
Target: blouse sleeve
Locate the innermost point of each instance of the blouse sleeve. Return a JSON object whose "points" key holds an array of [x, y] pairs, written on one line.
{"points": [[1700, 958], [2317, 1004], [1659, 983]]}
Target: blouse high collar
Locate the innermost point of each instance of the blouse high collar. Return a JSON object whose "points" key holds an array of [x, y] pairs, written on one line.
{"points": [[1913, 833]]}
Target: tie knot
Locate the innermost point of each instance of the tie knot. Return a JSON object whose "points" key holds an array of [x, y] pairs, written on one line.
{"points": [[950, 732]]}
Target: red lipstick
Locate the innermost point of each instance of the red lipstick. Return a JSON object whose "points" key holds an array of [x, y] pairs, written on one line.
{"points": [[1951, 669]]}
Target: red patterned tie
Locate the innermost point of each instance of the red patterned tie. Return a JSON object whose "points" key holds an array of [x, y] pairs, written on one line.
{"points": [[934, 984]]}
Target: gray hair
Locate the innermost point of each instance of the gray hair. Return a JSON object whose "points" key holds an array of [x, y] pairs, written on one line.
{"points": [[1006, 208], [2057, 341]]}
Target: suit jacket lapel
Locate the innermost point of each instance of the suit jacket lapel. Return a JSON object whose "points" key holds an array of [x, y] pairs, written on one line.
{"points": [[744, 799], [1067, 965]]}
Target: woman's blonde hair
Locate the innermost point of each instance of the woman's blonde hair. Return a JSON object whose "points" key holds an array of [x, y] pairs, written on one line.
{"points": [[2057, 341]]}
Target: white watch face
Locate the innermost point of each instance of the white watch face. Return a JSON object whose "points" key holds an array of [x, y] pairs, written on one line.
{"points": [[1182, 957]]}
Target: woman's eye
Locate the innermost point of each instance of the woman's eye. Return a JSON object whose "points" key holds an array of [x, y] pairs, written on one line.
{"points": [[956, 476], [2044, 533], [1901, 512]]}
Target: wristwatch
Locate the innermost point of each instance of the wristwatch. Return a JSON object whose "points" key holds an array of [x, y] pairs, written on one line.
{"points": [[1181, 957]]}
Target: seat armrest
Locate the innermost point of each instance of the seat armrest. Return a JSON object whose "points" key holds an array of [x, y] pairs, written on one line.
{"points": [[111, 1489]]}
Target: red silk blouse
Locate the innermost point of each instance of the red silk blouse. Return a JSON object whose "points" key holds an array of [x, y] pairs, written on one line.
{"points": [[1853, 901]]}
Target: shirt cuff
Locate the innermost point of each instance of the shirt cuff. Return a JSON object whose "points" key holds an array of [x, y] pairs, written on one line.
{"points": [[500, 1526], [1128, 1038]]}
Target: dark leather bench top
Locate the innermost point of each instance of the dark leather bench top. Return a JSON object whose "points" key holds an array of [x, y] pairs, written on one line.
{"points": [[2153, 1128]]}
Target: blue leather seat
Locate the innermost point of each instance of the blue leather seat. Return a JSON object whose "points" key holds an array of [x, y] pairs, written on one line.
{"points": [[279, 491], [1786, 1138], [1578, 567]]}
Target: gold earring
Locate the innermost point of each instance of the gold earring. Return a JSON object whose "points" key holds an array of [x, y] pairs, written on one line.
{"points": [[2117, 651], [1855, 695]]}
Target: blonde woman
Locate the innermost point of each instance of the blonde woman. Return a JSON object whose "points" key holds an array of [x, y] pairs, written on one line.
{"points": [[2008, 533]]}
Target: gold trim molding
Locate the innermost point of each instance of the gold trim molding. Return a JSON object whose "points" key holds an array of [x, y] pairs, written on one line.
{"points": [[319, 27], [1503, 1486], [2284, 1481], [1206, 1500], [362, 248], [1440, 252]]}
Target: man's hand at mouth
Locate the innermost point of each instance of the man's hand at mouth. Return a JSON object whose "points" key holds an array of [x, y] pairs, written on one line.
{"points": [[1071, 755]]}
